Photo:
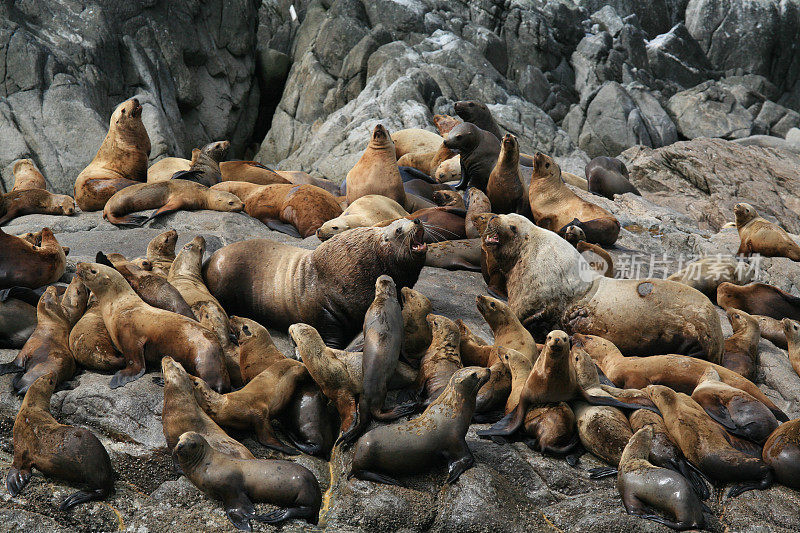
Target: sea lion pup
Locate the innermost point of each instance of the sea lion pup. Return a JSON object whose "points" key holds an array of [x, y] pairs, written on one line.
{"points": [[463, 254], [549, 285], [477, 113], [604, 431], [427, 161], [759, 299], [758, 236], [241, 482], [448, 170], [741, 348], [678, 372], [151, 288], [554, 206], [598, 259], [329, 287], [445, 123], [772, 330], [26, 265], [297, 210], [401, 448], [781, 452], [479, 151], [34, 201], [161, 252], [145, 333], [519, 365], [644, 486], [27, 176], [257, 351], [446, 197], [182, 413], [185, 275], [376, 172], [708, 273], [90, 343], [706, 444], [441, 360], [366, 211], [504, 188], [17, 322], [68, 453], [417, 332], [474, 350], [506, 327], [477, 204], [47, 349], [166, 197], [204, 167], [734, 409], [120, 162], [413, 140], [791, 331], [608, 176]]}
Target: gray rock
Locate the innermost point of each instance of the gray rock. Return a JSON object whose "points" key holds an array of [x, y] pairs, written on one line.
{"points": [[777, 119], [608, 19], [709, 110], [613, 123], [660, 128], [676, 56], [656, 17]]}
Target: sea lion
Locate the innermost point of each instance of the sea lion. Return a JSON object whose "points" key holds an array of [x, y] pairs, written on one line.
{"points": [[34, 201], [678, 372], [477, 113], [47, 350], [708, 273], [427, 161], [145, 333], [772, 330], [90, 343], [554, 206], [608, 176], [366, 211], [551, 285], [506, 327], [442, 359], [551, 429], [26, 265], [17, 322], [376, 171], [257, 351], [161, 252], [759, 236], [741, 348], [520, 366], [420, 188], [441, 223], [120, 162], [479, 151], [413, 140], [186, 276], [298, 177], [240, 482], [182, 413], [446, 197], [329, 287], [504, 188], [782, 453], [604, 431], [69, 453], [166, 167], [477, 204], [474, 350], [644, 486], [791, 331], [568, 178], [448, 170], [734, 409], [706, 444], [251, 172], [204, 167], [759, 299], [27, 176], [464, 254], [417, 332], [600, 260], [445, 123], [402, 449], [166, 197]]}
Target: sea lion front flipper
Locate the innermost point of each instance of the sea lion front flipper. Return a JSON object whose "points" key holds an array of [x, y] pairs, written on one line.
{"points": [[602, 471], [10, 368], [720, 414], [266, 436], [17, 480], [366, 475], [694, 476], [240, 510], [613, 402], [282, 227], [188, 175], [132, 371], [507, 426], [169, 207], [460, 463]]}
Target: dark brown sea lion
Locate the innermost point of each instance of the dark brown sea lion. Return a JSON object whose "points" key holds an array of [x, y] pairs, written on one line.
{"points": [[478, 114], [34, 201], [505, 188], [204, 167], [464, 254], [708, 273], [758, 236], [644, 487], [706, 444], [741, 348], [403, 448], [166, 197], [120, 162], [759, 299], [26, 265], [329, 287], [608, 176], [64, 452], [479, 150], [441, 223], [17, 322], [782, 453], [145, 333], [240, 482], [376, 172], [27, 176]]}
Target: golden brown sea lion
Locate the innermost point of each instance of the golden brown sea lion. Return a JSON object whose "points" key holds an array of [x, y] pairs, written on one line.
{"points": [[782, 453], [442, 358], [27, 176], [600, 260], [759, 299], [376, 172], [413, 140], [504, 188], [417, 333], [90, 343], [26, 265], [759, 236], [448, 170], [161, 252], [427, 161], [166, 167], [446, 197], [120, 162], [34, 201], [251, 172], [257, 351], [741, 348], [366, 211], [506, 327], [474, 351], [791, 331], [604, 431], [708, 273]]}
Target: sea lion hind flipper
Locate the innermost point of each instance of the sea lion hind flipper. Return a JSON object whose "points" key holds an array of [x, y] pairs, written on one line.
{"points": [[282, 227], [613, 402], [507, 425], [602, 471], [17, 480], [305, 512], [670, 524], [82, 496], [764, 483], [130, 220], [10, 368], [266, 436], [375, 477]]}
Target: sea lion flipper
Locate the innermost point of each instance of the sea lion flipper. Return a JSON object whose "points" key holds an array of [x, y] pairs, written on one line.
{"points": [[82, 496], [169, 207], [613, 402], [16, 480], [240, 510], [602, 471], [10, 368], [266, 436], [507, 426], [188, 175], [282, 227], [694, 476], [306, 512], [132, 371], [460, 463]]}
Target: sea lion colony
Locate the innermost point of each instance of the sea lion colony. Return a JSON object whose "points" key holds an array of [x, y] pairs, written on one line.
{"points": [[636, 372]]}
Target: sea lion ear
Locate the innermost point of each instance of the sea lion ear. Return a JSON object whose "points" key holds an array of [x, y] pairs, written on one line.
{"points": [[480, 221], [101, 259]]}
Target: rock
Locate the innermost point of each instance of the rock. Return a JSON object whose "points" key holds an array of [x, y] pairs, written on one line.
{"points": [[776, 119], [613, 123], [656, 17], [676, 56], [709, 110], [608, 19], [660, 128], [767, 141]]}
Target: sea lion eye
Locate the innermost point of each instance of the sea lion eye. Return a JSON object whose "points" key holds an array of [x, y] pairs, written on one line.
{"points": [[335, 227], [471, 104], [245, 329], [93, 271], [513, 228], [547, 165], [458, 137], [398, 231]]}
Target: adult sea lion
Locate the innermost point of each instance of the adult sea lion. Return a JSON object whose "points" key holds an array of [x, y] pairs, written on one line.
{"points": [[417, 332], [145, 333], [504, 188], [463, 254], [251, 172], [257, 350], [554, 206], [442, 358], [413, 140], [166, 167], [376, 171], [64, 452], [366, 211], [506, 327], [240, 482], [166, 197], [477, 113], [17, 322], [427, 161], [608, 176], [120, 162], [401, 449], [772, 330], [26, 265], [204, 167], [708, 273], [759, 299], [329, 287], [550, 285], [479, 151], [741, 348], [644, 486], [759, 236], [34, 201], [90, 343], [161, 252], [782, 453], [27, 176], [791, 330], [474, 350]]}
